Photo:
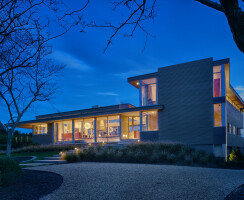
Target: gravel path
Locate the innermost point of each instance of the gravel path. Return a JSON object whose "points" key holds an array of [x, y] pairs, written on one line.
{"points": [[141, 181]]}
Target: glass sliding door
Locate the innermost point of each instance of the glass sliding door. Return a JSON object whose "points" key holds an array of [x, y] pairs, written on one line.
{"points": [[113, 128], [84, 130], [108, 128], [64, 131], [88, 130], [134, 128]]}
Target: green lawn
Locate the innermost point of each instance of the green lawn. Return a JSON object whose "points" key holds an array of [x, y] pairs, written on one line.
{"points": [[39, 155]]}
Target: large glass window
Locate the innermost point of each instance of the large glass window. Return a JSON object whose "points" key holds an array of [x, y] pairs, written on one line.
{"points": [[150, 121], [218, 114], [64, 131], [108, 128], [40, 129], [148, 92], [217, 81], [84, 130]]}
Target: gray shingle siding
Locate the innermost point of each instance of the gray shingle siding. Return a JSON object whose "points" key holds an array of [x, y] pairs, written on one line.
{"points": [[44, 138], [234, 116], [186, 91]]}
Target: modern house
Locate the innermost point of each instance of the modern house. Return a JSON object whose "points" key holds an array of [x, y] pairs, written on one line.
{"points": [[191, 103]]}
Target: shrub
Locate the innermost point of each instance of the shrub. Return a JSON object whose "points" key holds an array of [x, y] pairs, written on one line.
{"points": [[235, 155], [188, 160], [90, 154], [70, 157], [154, 158], [189, 150], [203, 160], [196, 157], [50, 147], [81, 155], [141, 157], [163, 156], [171, 158], [9, 171]]}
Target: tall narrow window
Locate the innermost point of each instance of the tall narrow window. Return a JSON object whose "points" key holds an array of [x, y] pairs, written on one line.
{"points": [[218, 114], [234, 130], [217, 81], [148, 91]]}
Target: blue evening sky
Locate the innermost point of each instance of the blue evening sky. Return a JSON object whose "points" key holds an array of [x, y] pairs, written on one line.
{"points": [[185, 31]]}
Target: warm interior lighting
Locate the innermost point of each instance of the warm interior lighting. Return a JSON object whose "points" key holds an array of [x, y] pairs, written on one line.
{"points": [[87, 125], [137, 83]]}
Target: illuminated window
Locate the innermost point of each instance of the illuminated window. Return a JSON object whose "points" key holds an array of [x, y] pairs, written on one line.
{"points": [[234, 130], [84, 130], [218, 114], [150, 121], [149, 92], [134, 128], [40, 129], [108, 129], [217, 81], [64, 131]]}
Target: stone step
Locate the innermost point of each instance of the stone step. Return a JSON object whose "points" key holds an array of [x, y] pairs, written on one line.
{"points": [[52, 158], [51, 161], [58, 155], [34, 164]]}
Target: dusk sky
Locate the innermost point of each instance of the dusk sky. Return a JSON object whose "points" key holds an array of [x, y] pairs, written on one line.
{"points": [[184, 31]]}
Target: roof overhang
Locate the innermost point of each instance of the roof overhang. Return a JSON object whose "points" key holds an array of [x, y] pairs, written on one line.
{"points": [[230, 91], [135, 79]]}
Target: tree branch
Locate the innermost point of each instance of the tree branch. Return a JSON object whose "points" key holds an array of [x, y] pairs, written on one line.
{"points": [[211, 4]]}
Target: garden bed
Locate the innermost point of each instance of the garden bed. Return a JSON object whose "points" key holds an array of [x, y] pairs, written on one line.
{"points": [[155, 153], [31, 185]]}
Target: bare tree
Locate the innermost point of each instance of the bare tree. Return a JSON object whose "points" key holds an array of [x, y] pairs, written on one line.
{"points": [[137, 12], [21, 87], [27, 73], [18, 22]]}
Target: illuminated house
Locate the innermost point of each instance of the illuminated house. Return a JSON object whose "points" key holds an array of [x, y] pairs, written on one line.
{"points": [[191, 103]]}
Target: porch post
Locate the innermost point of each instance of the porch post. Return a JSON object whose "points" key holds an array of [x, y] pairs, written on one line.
{"points": [[95, 129], [53, 141], [140, 124], [33, 129], [120, 127], [73, 131]]}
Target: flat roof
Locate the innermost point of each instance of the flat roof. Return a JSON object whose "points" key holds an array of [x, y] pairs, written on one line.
{"points": [[28, 124], [94, 109]]}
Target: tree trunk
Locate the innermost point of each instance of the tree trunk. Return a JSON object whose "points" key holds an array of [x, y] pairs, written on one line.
{"points": [[9, 142], [235, 17]]}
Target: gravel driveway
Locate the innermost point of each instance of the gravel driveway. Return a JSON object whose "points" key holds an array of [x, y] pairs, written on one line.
{"points": [[142, 181]]}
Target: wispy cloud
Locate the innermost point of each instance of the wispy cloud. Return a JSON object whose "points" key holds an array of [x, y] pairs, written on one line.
{"points": [[240, 90], [107, 93], [70, 61]]}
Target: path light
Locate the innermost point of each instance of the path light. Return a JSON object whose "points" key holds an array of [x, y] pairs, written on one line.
{"points": [[138, 141]]}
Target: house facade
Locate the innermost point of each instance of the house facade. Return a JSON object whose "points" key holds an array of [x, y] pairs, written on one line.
{"points": [[191, 103]]}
